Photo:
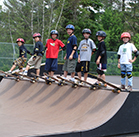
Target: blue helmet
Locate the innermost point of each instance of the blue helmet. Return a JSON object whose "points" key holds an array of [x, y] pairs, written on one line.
{"points": [[101, 33], [54, 32], [70, 26]]}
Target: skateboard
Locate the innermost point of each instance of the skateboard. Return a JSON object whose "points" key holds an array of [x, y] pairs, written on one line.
{"points": [[47, 81], [92, 86], [32, 80], [6, 73], [73, 84], [62, 81], [116, 88], [53, 78]]}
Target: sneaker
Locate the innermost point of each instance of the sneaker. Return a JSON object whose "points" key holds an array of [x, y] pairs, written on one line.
{"points": [[25, 73], [72, 79], [129, 88], [122, 86], [9, 72]]}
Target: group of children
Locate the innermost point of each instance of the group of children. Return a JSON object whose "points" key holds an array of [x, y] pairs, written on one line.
{"points": [[82, 53]]}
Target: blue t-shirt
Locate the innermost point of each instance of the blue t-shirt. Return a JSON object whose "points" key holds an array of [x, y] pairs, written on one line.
{"points": [[70, 45]]}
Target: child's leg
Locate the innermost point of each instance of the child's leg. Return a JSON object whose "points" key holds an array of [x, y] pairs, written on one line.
{"points": [[65, 73], [85, 76], [51, 73], [12, 68], [78, 69], [37, 72], [123, 76], [103, 76], [129, 75]]}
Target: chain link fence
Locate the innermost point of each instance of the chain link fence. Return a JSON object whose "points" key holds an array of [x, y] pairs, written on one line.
{"points": [[10, 51]]}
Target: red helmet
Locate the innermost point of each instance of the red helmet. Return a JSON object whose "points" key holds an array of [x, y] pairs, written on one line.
{"points": [[21, 40], [36, 35], [125, 35]]}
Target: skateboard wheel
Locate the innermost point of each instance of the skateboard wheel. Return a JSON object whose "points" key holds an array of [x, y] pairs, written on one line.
{"points": [[50, 83], [61, 84], [105, 85], [17, 80], [118, 91], [99, 84], [113, 90]]}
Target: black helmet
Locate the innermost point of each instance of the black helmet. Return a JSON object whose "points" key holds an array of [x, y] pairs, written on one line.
{"points": [[101, 33], [54, 32], [86, 31]]}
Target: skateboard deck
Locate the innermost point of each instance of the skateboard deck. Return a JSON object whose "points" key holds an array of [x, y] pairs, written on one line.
{"points": [[92, 86], [6, 73], [47, 81], [55, 79], [32, 80], [116, 88], [73, 84]]}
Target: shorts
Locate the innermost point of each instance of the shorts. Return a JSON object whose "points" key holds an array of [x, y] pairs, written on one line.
{"points": [[51, 64], [36, 62], [102, 67], [83, 66], [20, 62], [69, 65], [126, 67]]}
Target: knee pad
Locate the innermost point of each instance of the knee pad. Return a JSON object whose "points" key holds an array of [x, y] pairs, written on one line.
{"points": [[122, 74], [129, 75], [100, 72]]}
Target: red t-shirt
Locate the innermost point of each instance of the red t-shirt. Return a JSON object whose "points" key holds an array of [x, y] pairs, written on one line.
{"points": [[53, 48]]}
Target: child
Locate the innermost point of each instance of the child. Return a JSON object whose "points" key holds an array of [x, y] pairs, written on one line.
{"points": [[101, 55], [85, 48], [125, 60], [52, 50], [22, 56], [38, 53], [71, 53]]}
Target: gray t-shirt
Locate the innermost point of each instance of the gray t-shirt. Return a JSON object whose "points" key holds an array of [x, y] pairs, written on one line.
{"points": [[85, 48]]}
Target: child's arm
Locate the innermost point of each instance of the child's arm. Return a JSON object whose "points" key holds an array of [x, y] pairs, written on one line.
{"points": [[135, 57], [98, 60], [79, 58], [73, 51]]}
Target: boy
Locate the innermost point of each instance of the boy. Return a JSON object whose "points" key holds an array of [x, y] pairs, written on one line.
{"points": [[38, 53], [101, 55], [86, 48], [125, 60], [52, 50], [22, 56], [71, 53]]}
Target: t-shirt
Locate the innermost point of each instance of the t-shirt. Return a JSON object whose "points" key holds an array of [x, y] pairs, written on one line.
{"points": [[85, 47], [38, 49], [23, 51], [101, 48], [53, 48], [125, 52], [72, 40]]}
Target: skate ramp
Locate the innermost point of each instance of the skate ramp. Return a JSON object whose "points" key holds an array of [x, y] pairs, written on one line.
{"points": [[28, 109]]}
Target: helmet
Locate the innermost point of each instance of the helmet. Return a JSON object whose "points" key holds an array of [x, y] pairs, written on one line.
{"points": [[86, 31], [70, 26], [54, 32], [21, 40], [36, 35], [125, 35], [101, 33]]}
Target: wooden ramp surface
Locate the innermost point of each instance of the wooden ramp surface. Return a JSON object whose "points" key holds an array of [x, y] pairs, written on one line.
{"points": [[28, 109]]}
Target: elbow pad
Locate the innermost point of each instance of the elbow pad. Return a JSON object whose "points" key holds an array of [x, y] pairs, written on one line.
{"points": [[102, 53], [136, 53], [36, 50], [64, 48], [118, 56]]}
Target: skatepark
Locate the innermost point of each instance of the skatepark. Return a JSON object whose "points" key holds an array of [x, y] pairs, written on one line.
{"points": [[39, 109]]}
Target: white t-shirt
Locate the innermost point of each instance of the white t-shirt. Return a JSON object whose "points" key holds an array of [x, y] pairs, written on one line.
{"points": [[125, 52]]}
